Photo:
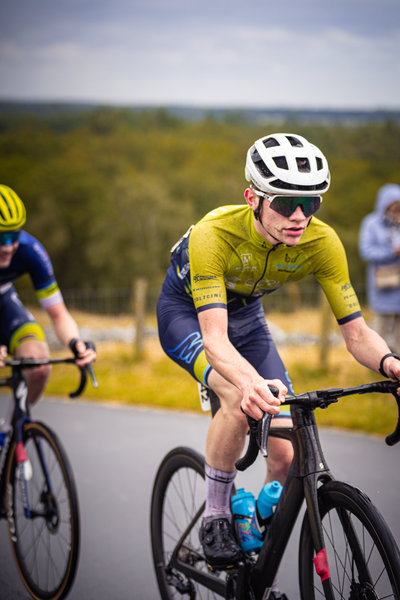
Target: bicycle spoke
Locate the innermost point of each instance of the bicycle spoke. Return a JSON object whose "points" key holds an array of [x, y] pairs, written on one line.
{"points": [[361, 552], [45, 544], [181, 498]]}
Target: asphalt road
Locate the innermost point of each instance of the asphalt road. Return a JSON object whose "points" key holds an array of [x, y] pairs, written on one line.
{"points": [[115, 452]]}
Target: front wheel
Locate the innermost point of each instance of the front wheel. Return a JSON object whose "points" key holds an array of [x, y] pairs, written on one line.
{"points": [[43, 516], [176, 512], [363, 557]]}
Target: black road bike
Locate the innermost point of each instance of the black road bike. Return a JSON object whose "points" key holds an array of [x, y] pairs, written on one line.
{"points": [[346, 549], [38, 494]]}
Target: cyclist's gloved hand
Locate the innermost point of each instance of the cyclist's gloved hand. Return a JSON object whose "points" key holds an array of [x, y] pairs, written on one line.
{"points": [[258, 398], [84, 350]]}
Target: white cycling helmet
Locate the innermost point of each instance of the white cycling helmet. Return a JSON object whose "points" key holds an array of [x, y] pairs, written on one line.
{"points": [[286, 164]]}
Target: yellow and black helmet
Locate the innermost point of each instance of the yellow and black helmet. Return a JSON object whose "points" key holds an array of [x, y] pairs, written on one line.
{"points": [[12, 210]]}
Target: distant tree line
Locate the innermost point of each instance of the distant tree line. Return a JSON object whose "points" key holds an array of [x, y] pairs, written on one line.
{"points": [[109, 191]]}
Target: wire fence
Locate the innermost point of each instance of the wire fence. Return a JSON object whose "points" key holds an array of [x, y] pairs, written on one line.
{"points": [[121, 300]]}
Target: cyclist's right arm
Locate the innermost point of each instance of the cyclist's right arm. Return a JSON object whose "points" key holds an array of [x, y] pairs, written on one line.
{"points": [[227, 362]]}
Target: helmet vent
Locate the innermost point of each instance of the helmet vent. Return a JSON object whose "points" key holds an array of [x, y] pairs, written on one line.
{"points": [[283, 185], [293, 141], [260, 164], [270, 142], [303, 165], [281, 162], [319, 163]]}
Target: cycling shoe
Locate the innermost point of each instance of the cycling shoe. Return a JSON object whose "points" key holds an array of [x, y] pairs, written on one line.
{"points": [[219, 545]]}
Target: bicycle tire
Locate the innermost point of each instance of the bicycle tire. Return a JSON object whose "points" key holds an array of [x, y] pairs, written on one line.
{"points": [[178, 495], [363, 556], [45, 543]]}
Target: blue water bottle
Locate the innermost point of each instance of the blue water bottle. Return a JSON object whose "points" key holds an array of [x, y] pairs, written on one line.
{"points": [[244, 511], [266, 502]]}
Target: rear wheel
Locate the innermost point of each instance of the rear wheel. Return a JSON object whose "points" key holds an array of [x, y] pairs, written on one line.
{"points": [[176, 511], [363, 558], [45, 540]]}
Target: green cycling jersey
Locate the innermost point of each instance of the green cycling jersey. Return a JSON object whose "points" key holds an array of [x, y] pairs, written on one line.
{"points": [[224, 261]]}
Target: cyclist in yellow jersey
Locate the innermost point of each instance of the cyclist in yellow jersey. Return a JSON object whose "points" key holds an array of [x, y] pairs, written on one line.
{"points": [[211, 320], [20, 335]]}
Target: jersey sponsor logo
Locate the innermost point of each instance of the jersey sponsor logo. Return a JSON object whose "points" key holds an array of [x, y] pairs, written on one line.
{"points": [[346, 286], [206, 297], [246, 263], [230, 282], [188, 349], [197, 278], [263, 283], [182, 274], [289, 265], [246, 259]]}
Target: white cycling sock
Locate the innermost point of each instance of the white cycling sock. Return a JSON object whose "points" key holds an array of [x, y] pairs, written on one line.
{"points": [[218, 492]]}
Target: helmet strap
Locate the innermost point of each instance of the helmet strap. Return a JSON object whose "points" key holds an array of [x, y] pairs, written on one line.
{"points": [[258, 209]]}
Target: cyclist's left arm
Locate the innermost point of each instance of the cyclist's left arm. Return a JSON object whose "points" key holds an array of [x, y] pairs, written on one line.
{"points": [[66, 330], [368, 348]]}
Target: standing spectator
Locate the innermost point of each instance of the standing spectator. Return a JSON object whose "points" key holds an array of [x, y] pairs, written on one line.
{"points": [[379, 246]]}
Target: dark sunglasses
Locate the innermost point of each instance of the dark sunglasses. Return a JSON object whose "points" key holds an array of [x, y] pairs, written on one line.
{"points": [[286, 205], [9, 237]]}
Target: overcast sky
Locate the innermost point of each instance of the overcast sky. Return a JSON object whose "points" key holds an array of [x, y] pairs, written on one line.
{"points": [[228, 53]]}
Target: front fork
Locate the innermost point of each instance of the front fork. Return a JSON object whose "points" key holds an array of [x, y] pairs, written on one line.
{"points": [[20, 391], [320, 560]]}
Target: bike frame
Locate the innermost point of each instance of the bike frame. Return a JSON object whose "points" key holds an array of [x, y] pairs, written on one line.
{"points": [[21, 416], [308, 468]]}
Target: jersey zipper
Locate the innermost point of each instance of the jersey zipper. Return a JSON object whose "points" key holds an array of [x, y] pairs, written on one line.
{"points": [[265, 268]]}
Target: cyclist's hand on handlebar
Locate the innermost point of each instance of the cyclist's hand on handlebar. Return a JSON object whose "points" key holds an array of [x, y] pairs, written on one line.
{"points": [[85, 352], [3, 355], [392, 370], [259, 399]]}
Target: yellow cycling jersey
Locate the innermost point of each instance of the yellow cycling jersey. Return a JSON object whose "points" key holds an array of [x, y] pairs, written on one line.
{"points": [[230, 262]]}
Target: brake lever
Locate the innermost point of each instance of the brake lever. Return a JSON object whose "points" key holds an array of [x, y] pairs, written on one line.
{"points": [[263, 432], [259, 431], [92, 376], [264, 426]]}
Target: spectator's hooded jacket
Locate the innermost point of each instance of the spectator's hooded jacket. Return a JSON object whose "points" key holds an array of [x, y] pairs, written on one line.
{"points": [[376, 243]]}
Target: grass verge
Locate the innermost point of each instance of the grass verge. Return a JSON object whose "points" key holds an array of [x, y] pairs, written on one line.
{"points": [[156, 381]]}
